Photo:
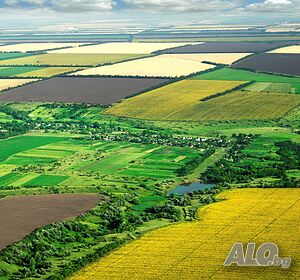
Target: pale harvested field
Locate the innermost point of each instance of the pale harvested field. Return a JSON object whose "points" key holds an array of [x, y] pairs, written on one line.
{"points": [[215, 27], [166, 65], [31, 47], [158, 66], [290, 49], [122, 48], [222, 58], [11, 83], [197, 250]]}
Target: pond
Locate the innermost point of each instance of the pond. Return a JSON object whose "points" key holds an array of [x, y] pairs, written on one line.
{"points": [[195, 186]]}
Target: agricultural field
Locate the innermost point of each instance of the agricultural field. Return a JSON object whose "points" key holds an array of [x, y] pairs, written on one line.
{"points": [[30, 180], [6, 56], [34, 71], [11, 83], [35, 150], [166, 65], [15, 71], [48, 72], [215, 27], [10, 147], [290, 49], [121, 48], [123, 159], [271, 87], [178, 101], [229, 74], [237, 39], [245, 106], [64, 159], [158, 66], [68, 59], [217, 58], [23, 214], [175, 106], [221, 47], [148, 161], [181, 251], [278, 63], [96, 90], [35, 47]]}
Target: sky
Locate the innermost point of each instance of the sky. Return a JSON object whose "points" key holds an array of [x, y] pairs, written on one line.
{"points": [[33, 13]]}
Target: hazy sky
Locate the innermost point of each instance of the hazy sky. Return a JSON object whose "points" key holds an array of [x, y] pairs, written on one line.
{"points": [[27, 13]]}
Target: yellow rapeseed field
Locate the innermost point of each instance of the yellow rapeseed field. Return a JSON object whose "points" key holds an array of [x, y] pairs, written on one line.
{"points": [[181, 102], [11, 83], [171, 102], [197, 250]]}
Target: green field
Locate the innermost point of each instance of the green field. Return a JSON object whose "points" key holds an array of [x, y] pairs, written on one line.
{"points": [[229, 74], [19, 144], [271, 87], [7, 56], [31, 180], [46, 180], [8, 179], [34, 71], [149, 161], [65, 59], [16, 71], [79, 164], [148, 201], [39, 150]]}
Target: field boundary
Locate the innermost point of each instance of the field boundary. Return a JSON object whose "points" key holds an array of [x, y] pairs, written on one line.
{"points": [[227, 91]]}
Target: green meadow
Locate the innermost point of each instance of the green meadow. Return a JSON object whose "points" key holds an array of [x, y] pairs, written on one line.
{"points": [[7, 56], [14, 71], [229, 74], [46, 180], [12, 146], [128, 159]]}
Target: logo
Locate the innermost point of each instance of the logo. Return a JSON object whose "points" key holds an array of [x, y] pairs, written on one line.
{"points": [[266, 254]]}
